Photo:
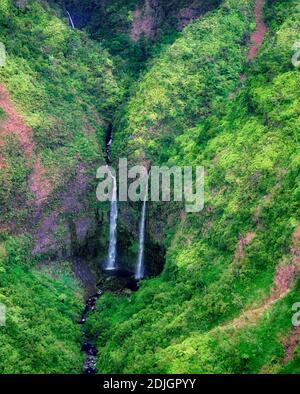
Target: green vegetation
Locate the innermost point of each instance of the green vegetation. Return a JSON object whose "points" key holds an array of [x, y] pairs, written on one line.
{"points": [[41, 334], [193, 108], [63, 84], [195, 75], [2, 114], [112, 23], [197, 101], [64, 88]]}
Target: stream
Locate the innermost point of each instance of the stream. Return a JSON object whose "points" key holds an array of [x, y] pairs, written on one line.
{"points": [[120, 280], [90, 350]]}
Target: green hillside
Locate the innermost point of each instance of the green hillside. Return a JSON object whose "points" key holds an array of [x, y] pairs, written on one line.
{"points": [[63, 87], [194, 108], [185, 96]]}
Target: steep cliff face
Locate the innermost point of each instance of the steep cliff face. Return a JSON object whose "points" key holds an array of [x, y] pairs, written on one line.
{"points": [[57, 92], [146, 20], [129, 29], [136, 17]]}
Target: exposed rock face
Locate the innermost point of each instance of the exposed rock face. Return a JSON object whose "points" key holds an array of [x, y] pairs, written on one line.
{"points": [[53, 232], [258, 35], [242, 243], [60, 234], [84, 227], [286, 273], [44, 239], [21, 3], [14, 124], [291, 344], [295, 250], [193, 11], [39, 184], [146, 20], [293, 338], [284, 278], [186, 15]]}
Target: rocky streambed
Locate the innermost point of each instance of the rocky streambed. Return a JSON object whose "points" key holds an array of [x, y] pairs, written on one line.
{"points": [[90, 350], [117, 281]]}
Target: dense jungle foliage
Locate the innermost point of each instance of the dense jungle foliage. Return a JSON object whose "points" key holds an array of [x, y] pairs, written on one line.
{"points": [[202, 104], [188, 96], [64, 86]]}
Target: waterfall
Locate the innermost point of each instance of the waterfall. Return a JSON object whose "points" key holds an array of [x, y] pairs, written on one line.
{"points": [[71, 20], [139, 270], [112, 251]]}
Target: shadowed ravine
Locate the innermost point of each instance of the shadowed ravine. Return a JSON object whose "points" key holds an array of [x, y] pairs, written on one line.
{"points": [[113, 281], [110, 267]]}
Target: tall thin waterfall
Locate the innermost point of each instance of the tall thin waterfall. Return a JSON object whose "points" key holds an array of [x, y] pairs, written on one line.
{"points": [[140, 269], [112, 252], [71, 20]]}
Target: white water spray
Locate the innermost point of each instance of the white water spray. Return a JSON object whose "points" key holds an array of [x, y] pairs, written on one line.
{"points": [[71, 20], [140, 270], [112, 251]]}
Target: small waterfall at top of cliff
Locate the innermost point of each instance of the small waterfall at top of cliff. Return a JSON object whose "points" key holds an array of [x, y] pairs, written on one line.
{"points": [[112, 251], [71, 20], [140, 270]]}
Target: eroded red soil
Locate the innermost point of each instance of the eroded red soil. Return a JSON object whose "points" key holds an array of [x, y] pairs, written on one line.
{"points": [[258, 35], [146, 20], [14, 123], [293, 338], [284, 278], [242, 243], [291, 343]]}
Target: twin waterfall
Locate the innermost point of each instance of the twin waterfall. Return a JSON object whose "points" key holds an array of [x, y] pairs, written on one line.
{"points": [[111, 264]]}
